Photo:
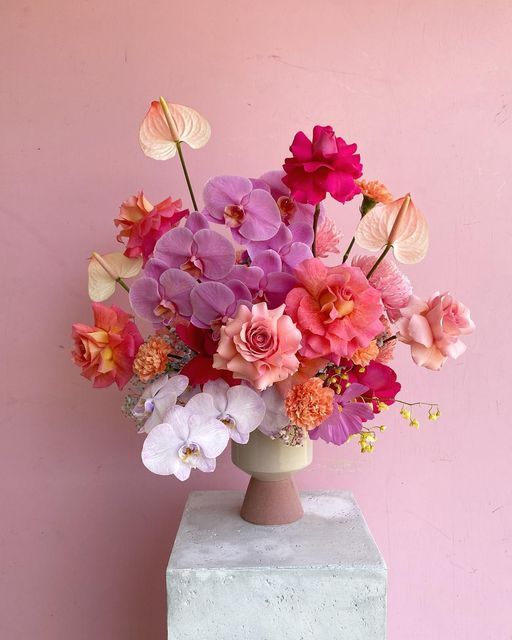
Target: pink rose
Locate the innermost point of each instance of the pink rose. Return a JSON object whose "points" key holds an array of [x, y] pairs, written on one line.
{"points": [[259, 345], [433, 328]]}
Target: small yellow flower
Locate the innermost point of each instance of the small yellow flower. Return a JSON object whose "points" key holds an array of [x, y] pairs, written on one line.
{"points": [[405, 413], [414, 423], [382, 406]]}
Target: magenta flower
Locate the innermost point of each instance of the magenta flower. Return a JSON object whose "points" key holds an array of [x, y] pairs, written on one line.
{"points": [[325, 165], [347, 417], [265, 279], [380, 380], [249, 211], [204, 253], [214, 302], [292, 244], [162, 296], [291, 211]]}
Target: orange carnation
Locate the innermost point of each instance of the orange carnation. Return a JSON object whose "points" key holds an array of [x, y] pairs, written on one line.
{"points": [[309, 404], [152, 358], [375, 190], [364, 355]]}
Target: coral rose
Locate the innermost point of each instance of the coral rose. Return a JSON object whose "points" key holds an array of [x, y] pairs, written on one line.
{"points": [[106, 351], [142, 224], [308, 404], [335, 308], [259, 345], [432, 328], [326, 164]]}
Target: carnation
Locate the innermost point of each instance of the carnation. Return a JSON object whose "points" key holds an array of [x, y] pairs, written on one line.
{"points": [[308, 404]]}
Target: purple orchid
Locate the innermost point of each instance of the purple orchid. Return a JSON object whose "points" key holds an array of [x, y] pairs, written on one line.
{"points": [[347, 417], [290, 210], [265, 278], [292, 244], [196, 221], [204, 253], [249, 211], [213, 302], [162, 295]]}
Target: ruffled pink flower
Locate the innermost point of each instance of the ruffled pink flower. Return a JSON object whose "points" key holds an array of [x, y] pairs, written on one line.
{"points": [[259, 345], [142, 224], [433, 329], [335, 308], [327, 238], [394, 286], [325, 165], [106, 351]]}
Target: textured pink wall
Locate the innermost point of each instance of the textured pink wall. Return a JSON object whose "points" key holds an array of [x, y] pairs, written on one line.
{"points": [[424, 88]]}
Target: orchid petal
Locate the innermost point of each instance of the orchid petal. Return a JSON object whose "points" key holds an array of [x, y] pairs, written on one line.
{"points": [[177, 286], [262, 219], [210, 434], [215, 252], [160, 450], [156, 139], [145, 297], [222, 191], [210, 300]]}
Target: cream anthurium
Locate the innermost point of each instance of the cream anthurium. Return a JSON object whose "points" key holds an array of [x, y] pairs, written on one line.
{"points": [[157, 398], [185, 441], [240, 408]]}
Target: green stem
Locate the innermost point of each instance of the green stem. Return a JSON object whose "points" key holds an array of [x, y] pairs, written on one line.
{"points": [[187, 178], [121, 282], [315, 223], [389, 339], [379, 260], [349, 249]]}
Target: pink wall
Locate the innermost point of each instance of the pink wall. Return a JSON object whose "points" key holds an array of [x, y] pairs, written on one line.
{"points": [[424, 88]]}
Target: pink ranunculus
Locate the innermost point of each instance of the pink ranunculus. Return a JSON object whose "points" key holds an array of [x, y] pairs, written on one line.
{"points": [[335, 308], [106, 351], [142, 224], [259, 345], [433, 329], [394, 286], [326, 164]]}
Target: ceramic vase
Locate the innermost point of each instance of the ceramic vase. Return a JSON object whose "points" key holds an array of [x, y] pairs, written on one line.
{"points": [[271, 497]]}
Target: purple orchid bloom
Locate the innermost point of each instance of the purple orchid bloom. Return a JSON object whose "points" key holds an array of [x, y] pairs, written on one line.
{"points": [[162, 296], [265, 278], [196, 221], [290, 210], [203, 253], [346, 418], [292, 244], [213, 302], [249, 211]]}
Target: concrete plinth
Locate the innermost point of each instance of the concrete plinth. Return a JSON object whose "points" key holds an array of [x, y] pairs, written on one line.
{"points": [[321, 578]]}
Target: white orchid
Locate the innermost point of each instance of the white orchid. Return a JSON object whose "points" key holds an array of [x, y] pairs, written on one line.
{"points": [[240, 408], [157, 398], [185, 441], [275, 414]]}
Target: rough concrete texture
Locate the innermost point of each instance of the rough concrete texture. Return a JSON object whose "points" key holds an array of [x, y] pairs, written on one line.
{"points": [[319, 578]]}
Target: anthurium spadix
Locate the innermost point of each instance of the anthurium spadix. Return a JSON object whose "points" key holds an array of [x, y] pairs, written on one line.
{"points": [[105, 270], [165, 125], [399, 225]]}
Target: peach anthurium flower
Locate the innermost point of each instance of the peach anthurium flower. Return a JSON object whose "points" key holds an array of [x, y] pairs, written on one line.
{"points": [[160, 131], [105, 270], [399, 224]]}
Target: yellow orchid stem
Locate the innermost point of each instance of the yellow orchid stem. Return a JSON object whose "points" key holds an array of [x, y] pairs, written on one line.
{"points": [[315, 224], [176, 139], [392, 234], [103, 263]]}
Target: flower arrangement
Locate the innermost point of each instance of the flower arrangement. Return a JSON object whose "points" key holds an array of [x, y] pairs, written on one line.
{"points": [[251, 328]]}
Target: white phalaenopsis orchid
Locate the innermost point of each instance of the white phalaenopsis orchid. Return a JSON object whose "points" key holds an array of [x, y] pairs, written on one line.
{"points": [[185, 441], [240, 408], [275, 413], [157, 398]]}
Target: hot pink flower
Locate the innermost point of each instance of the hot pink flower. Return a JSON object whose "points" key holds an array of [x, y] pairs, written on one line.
{"points": [[395, 287], [326, 164], [259, 345], [142, 224], [106, 351], [433, 328], [335, 308]]}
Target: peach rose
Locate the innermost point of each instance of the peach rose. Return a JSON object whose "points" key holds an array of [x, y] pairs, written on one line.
{"points": [[433, 328], [259, 345]]}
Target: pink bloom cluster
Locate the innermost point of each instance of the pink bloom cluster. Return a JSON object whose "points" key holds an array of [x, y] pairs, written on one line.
{"points": [[252, 328]]}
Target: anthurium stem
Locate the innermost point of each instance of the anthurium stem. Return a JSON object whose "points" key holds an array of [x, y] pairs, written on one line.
{"points": [[315, 224], [121, 282], [104, 264], [175, 136], [379, 260]]}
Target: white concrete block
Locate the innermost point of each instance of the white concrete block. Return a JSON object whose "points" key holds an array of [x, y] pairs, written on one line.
{"points": [[321, 578]]}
